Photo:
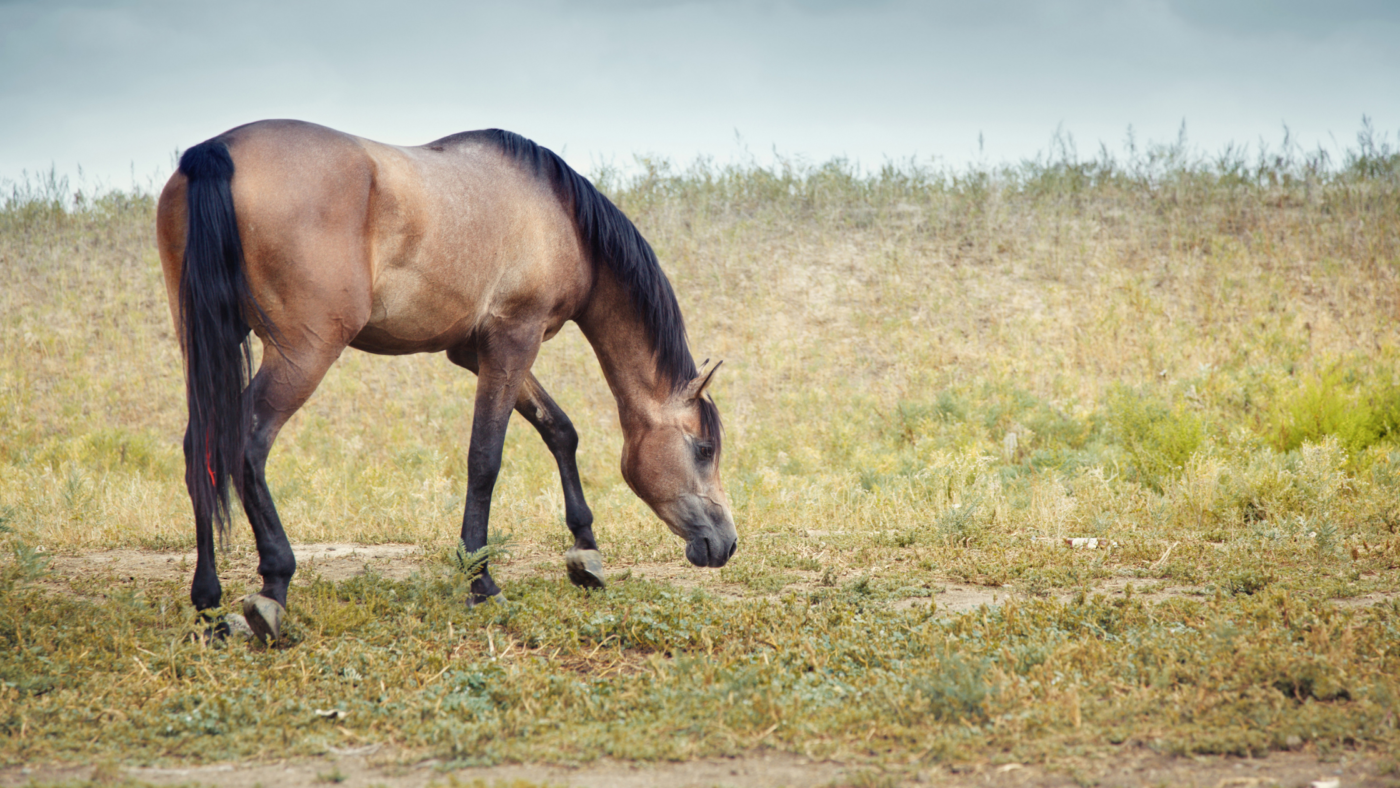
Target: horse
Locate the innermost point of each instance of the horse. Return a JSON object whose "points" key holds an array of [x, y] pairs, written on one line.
{"points": [[480, 245]]}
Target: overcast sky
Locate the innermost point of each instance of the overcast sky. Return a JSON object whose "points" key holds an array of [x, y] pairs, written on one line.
{"points": [[117, 87]]}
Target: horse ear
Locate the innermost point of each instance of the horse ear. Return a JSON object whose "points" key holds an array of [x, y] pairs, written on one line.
{"points": [[702, 381]]}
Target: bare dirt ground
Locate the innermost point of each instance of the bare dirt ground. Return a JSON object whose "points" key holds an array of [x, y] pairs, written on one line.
{"points": [[761, 769], [338, 561], [333, 561], [1130, 766]]}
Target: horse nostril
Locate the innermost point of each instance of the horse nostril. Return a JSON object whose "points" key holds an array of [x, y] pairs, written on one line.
{"points": [[734, 545]]}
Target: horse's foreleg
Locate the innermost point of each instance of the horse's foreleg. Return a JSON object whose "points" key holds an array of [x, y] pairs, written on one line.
{"points": [[501, 369], [584, 562], [540, 409]]}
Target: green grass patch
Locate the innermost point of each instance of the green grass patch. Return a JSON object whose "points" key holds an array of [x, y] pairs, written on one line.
{"points": [[1354, 407], [1158, 437], [646, 671]]}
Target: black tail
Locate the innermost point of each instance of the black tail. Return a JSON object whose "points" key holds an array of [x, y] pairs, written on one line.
{"points": [[213, 332]]}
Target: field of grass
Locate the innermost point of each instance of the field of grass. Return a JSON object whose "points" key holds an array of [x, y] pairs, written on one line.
{"points": [[931, 378]]}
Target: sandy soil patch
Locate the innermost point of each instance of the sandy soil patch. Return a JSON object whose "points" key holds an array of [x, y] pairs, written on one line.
{"points": [[339, 561], [1128, 768], [332, 561]]}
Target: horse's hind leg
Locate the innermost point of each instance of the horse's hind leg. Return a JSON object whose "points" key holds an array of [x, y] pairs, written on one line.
{"points": [[282, 385], [584, 562]]}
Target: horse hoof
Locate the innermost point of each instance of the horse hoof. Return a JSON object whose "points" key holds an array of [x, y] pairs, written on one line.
{"points": [[585, 568], [216, 628], [495, 599], [264, 617]]}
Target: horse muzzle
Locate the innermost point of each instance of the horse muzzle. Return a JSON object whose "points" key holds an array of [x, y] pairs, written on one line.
{"points": [[706, 526], [711, 550]]}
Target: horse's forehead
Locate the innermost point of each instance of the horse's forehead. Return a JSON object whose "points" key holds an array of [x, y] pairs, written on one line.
{"points": [[689, 416], [684, 418]]}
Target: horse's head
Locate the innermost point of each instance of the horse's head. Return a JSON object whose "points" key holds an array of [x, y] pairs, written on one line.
{"points": [[672, 463]]}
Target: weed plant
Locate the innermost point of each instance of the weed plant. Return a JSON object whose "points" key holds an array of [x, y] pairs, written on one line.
{"points": [[931, 377]]}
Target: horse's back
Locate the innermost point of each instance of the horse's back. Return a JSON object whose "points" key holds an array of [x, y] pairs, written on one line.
{"points": [[403, 249]]}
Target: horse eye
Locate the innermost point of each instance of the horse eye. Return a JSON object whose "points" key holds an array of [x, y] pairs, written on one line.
{"points": [[704, 451]]}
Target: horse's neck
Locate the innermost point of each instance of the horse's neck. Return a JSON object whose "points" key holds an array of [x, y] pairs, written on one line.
{"points": [[612, 326]]}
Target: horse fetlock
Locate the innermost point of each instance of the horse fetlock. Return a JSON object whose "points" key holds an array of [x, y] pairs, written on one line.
{"points": [[264, 617], [484, 589], [278, 571], [585, 568], [205, 592]]}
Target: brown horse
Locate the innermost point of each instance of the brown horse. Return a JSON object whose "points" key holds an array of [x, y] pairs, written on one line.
{"points": [[480, 244]]}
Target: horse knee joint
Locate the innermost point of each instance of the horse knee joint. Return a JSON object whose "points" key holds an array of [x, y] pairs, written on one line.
{"points": [[567, 439]]}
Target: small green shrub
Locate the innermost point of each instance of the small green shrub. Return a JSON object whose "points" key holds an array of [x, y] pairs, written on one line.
{"points": [[1248, 581], [1358, 413], [1157, 438]]}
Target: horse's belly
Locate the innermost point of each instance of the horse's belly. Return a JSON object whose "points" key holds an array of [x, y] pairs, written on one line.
{"points": [[411, 315]]}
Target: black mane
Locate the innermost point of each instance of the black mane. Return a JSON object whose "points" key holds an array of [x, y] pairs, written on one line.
{"points": [[612, 240]]}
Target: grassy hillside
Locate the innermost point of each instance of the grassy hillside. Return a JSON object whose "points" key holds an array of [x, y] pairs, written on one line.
{"points": [[930, 377], [940, 366]]}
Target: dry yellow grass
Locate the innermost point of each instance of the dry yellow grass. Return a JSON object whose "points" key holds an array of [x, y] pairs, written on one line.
{"points": [[1142, 332]]}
